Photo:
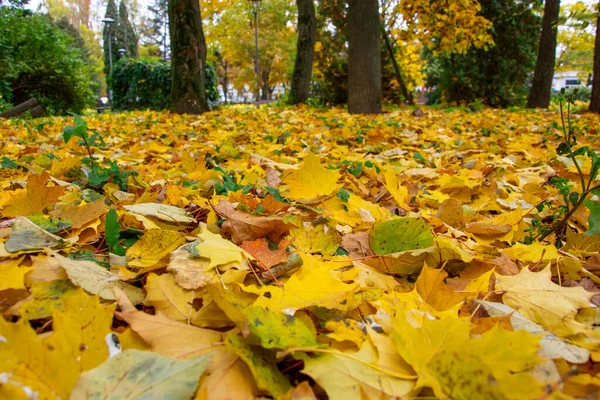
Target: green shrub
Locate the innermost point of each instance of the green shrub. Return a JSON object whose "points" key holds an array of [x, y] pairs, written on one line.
{"points": [[574, 94], [499, 75], [146, 84], [38, 60]]}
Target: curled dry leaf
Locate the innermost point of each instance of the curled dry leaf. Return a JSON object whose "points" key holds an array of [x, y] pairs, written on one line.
{"points": [[241, 226]]}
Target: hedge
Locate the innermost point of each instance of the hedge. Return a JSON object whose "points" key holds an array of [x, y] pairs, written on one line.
{"points": [[146, 84]]}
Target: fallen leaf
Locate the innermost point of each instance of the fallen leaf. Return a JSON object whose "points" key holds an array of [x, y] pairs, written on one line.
{"points": [[261, 364], [311, 180], [319, 239], [36, 198], [218, 250], [96, 280], [400, 235], [49, 367], [359, 375], [27, 236], [162, 377], [152, 247], [12, 275], [166, 297], [163, 212], [227, 377], [540, 300], [165, 336], [245, 227], [260, 250]]}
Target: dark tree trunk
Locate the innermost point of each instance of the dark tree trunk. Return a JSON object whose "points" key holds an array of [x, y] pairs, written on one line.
{"points": [[305, 52], [188, 55], [364, 57], [539, 97], [390, 48], [266, 93], [595, 100]]}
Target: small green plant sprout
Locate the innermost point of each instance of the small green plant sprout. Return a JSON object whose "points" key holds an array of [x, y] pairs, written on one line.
{"points": [[99, 173], [573, 194]]}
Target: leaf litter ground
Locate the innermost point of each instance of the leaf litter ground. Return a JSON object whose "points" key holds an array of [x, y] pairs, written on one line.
{"points": [[294, 253]]}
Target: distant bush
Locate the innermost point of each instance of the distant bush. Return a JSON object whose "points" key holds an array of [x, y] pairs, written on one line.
{"points": [[146, 84], [38, 60], [580, 93]]}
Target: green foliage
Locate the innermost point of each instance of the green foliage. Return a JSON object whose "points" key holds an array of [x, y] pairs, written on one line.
{"points": [[498, 75], [577, 94], [113, 233], [146, 84], [99, 173], [79, 42], [573, 198], [331, 60], [125, 35], [400, 234], [38, 60]]}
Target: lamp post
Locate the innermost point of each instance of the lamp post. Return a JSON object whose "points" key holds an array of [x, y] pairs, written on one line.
{"points": [[255, 7], [108, 22], [122, 53]]}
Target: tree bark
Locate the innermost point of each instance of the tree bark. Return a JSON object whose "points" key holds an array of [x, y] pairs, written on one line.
{"points": [[539, 96], [390, 48], [305, 52], [188, 56], [595, 100], [364, 57]]}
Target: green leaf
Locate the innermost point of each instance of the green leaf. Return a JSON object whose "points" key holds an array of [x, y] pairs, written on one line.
{"points": [[98, 179], [49, 223], [8, 163], [563, 149], [401, 234], [594, 218], [262, 365], [79, 130], [135, 374], [113, 232]]}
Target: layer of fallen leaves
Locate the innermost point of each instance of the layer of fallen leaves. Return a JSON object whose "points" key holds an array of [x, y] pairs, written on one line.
{"points": [[294, 253]]}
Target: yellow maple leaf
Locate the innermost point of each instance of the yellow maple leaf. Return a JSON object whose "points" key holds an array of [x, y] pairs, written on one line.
{"points": [[152, 247], [313, 285], [217, 249], [542, 301], [165, 336], [432, 288], [366, 374], [12, 275], [36, 198], [311, 180], [168, 298], [398, 192], [49, 367]]}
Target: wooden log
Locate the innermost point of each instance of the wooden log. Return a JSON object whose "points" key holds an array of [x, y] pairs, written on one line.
{"points": [[37, 111], [20, 109]]}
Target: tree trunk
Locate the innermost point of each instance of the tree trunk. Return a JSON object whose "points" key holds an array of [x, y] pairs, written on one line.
{"points": [[595, 100], [539, 97], [305, 52], [188, 55], [390, 48], [364, 57], [266, 93]]}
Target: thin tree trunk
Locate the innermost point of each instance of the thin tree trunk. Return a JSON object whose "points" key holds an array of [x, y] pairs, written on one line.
{"points": [[305, 52], [364, 57], [595, 100], [403, 89], [188, 55], [539, 97]]}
